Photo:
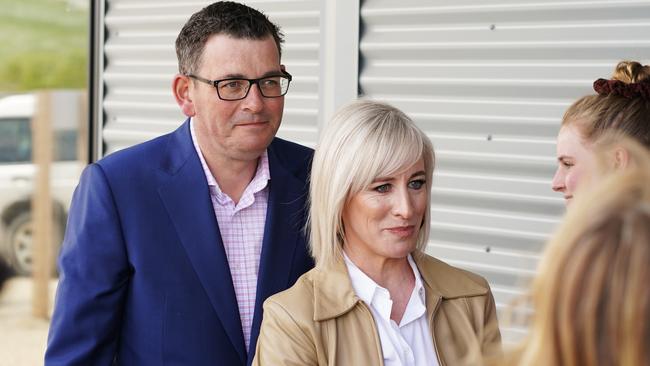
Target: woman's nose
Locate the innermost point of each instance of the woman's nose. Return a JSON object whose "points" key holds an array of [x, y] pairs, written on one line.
{"points": [[558, 180], [403, 204]]}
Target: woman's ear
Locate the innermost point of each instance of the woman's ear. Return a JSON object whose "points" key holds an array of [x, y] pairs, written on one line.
{"points": [[621, 158], [181, 89]]}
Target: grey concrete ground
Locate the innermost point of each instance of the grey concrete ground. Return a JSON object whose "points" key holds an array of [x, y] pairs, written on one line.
{"points": [[22, 337]]}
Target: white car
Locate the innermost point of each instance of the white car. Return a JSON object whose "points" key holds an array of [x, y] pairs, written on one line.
{"points": [[17, 174]]}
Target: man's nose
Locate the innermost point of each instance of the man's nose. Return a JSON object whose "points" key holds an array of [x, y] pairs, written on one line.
{"points": [[254, 101]]}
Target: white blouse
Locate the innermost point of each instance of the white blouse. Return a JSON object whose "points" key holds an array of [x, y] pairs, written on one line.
{"points": [[409, 343]]}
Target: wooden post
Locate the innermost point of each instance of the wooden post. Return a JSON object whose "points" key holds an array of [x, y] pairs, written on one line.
{"points": [[82, 132], [42, 204]]}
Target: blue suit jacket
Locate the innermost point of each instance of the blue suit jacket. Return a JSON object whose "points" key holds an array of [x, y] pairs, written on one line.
{"points": [[144, 278]]}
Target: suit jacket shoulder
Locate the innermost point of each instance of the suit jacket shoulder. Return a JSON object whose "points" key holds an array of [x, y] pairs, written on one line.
{"points": [[295, 158], [151, 154]]}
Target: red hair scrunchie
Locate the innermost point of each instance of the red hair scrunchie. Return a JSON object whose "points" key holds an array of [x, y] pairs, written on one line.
{"points": [[625, 90]]}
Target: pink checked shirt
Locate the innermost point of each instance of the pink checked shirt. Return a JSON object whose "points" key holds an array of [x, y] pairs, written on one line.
{"points": [[242, 231]]}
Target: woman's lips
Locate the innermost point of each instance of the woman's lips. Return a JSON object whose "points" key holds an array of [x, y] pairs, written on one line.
{"points": [[402, 231]]}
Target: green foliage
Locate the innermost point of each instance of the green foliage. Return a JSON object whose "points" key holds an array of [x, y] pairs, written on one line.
{"points": [[43, 44]]}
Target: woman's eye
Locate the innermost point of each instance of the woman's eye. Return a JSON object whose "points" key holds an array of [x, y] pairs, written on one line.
{"points": [[417, 184], [382, 188], [567, 164]]}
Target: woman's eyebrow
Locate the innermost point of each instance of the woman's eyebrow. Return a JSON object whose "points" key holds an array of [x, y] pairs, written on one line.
{"points": [[388, 179]]}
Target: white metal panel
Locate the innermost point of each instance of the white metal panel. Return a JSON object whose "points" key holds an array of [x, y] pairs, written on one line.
{"points": [[339, 72], [489, 80], [140, 62]]}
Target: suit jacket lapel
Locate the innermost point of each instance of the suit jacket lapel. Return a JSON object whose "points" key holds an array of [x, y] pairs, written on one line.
{"points": [[187, 200], [282, 231]]}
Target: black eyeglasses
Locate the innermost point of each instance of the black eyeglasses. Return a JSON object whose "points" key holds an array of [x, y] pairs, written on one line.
{"points": [[274, 86]]}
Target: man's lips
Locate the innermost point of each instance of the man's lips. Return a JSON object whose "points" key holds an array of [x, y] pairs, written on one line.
{"points": [[252, 123]]}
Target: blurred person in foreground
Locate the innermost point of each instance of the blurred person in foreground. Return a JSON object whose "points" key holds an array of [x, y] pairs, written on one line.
{"points": [[375, 297], [591, 297], [621, 105], [172, 245]]}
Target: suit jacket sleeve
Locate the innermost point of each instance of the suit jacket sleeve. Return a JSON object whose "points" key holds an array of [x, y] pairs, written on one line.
{"points": [[282, 341], [93, 278]]}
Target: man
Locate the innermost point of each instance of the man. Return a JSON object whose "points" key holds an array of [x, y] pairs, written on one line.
{"points": [[173, 245]]}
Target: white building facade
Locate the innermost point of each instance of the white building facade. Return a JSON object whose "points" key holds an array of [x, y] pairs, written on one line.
{"points": [[488, 80]]}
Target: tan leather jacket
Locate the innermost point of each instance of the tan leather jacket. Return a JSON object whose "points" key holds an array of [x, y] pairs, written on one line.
{"points": [[320, 320]]}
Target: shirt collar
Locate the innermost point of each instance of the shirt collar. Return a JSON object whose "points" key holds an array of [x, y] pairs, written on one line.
{"points": [[419, 286], [334, 294], [259, 182], [373, 294], [417, 302], [363, 285]]}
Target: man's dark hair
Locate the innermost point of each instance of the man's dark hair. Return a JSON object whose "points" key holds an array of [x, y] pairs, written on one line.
{"points": [[223, 17]]}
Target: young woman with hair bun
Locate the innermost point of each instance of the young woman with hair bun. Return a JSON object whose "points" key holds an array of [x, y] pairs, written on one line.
{"points": [[591, 299], [621, 105]]}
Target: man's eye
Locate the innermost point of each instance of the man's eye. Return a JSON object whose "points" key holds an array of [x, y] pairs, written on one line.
{"points": [[382, 188], [270, 83], [417, 184], [232, 84]]}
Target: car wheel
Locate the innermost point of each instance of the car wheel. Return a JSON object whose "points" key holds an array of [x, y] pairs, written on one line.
{"points": [[20, 243]]}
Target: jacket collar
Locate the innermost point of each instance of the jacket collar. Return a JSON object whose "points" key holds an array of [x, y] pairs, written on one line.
{"points": [[334, 295], [446, 281], [282, 234], [185, 195], [333, 292]]}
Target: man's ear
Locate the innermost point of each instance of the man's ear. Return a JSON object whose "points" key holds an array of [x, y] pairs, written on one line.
{"points": [[621, 158], [181, 90]]}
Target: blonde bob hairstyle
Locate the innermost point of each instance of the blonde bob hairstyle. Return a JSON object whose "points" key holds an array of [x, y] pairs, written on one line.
{"points": [[591, 297], [364, 140]]}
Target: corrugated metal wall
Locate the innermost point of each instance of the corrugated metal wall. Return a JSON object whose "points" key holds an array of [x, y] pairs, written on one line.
{"points": [[489, 82], [140, 62]]}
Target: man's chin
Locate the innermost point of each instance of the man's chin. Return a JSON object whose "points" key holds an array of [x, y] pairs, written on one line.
{"points": [[253, 148]]}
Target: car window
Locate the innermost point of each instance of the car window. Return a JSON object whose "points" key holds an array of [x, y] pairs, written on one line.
{"points": [[65, 145], [15, 140]]}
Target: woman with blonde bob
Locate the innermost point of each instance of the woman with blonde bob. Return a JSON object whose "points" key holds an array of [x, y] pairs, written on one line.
{"points": [[591, 297], [374, 297]]}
